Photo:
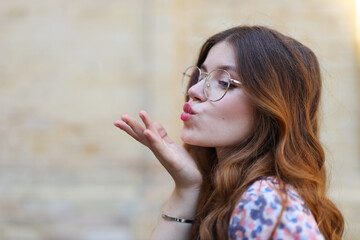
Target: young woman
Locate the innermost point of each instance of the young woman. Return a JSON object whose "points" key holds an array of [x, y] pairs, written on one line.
{"points": [[252, 166]]}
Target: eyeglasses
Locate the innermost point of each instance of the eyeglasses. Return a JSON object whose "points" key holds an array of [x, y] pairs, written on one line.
{"points": [[216, 85]]}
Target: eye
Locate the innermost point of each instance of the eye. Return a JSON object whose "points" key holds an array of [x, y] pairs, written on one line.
{"points": [[223, 84], [232, 86]]}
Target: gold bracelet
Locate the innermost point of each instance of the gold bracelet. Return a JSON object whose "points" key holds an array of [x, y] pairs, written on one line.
{"points": [[175, 219]]}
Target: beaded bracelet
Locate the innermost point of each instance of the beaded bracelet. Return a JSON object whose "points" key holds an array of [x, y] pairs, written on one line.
{"points": [[175, 219]]}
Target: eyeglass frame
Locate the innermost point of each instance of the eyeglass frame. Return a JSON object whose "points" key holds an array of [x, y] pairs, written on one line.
{"points": [[230, 81]]}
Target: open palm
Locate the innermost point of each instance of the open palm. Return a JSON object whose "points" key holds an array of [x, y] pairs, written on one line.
{"points": [[174, 157]]}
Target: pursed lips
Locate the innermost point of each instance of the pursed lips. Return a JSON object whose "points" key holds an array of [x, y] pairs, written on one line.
{"points": [[188, 112]]}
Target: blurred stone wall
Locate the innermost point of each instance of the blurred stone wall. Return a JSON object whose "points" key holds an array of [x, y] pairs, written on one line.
{"points": [[69, 68]]}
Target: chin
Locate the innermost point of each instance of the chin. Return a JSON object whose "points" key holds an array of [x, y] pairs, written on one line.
{"points": [[197, 139], [186, 138], [189, 139]]}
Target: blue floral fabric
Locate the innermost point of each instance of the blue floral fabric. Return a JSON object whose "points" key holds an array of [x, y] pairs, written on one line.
{"points": [[257, 212]]}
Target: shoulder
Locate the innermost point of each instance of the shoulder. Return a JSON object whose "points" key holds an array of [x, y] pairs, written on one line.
{"points": [[259, 208]]}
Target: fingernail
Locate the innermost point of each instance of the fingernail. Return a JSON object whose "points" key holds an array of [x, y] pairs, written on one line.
{"points": [[123, 117]]}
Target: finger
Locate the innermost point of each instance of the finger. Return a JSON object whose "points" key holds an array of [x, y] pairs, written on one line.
{"points": [[123, 126], [155, 142], [150, 135], [147, 121], [162, 132], [133, 124], [157, 146], [160, 129], [164, 155]]}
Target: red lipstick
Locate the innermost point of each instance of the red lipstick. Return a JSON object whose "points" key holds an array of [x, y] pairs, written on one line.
{"points": [[185, 116], [188, 112]]}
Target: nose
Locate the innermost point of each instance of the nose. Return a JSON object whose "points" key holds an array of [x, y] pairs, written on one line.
{"points": [[196, 92]]}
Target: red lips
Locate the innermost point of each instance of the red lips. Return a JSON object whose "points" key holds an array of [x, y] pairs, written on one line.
{"points": [[187, 108], [188, 112]]}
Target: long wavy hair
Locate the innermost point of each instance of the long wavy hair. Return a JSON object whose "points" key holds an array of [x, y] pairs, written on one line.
{"points": [[282, 78]]}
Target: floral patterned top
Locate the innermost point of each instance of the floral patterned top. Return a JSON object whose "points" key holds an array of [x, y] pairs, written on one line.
{"points": [[258, 210]]}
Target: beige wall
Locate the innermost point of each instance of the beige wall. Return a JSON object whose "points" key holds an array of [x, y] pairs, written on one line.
{"points": [[69, 68]]}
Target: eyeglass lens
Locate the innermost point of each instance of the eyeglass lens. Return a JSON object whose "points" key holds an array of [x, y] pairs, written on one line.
{"points": [[215, 86]]}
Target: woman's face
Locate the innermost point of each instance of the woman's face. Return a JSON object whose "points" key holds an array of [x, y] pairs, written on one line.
{"points": [[223, 123]]}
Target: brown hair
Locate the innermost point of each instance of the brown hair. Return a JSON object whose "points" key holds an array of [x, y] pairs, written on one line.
{"points": [[282, 78]]}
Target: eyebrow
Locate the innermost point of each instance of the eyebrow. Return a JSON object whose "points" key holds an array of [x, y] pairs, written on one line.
{"points": [[224, 67]]}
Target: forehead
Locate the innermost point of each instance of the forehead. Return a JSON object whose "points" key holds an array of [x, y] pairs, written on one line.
{"points": [[221, 54]]}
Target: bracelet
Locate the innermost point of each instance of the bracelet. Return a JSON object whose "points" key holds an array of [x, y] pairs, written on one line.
{"points": [[175, 219]]}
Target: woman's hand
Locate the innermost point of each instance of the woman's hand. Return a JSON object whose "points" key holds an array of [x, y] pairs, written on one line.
{"points": [[181, 166], [171, 155]]}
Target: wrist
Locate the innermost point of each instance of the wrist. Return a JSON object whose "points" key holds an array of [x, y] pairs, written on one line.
{"points": [[182, 203], [188, 194]]}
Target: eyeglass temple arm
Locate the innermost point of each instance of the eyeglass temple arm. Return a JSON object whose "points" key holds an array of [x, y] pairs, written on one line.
{"points": [[235, 81]]}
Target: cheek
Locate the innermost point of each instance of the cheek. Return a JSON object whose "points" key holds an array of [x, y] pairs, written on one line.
{"points": [[237, 121]]}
